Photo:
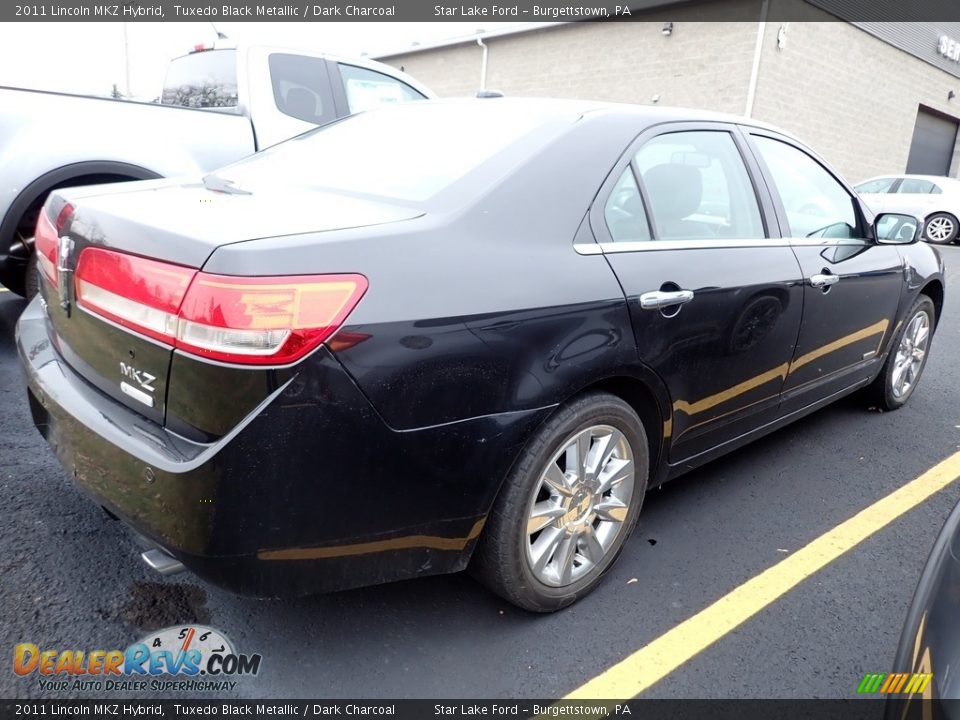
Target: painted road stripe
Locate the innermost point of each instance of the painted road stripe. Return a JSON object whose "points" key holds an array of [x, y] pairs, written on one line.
{"points": [[3, 289], [652, 663]]}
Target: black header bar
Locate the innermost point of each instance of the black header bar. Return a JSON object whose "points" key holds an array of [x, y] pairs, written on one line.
{"points": [[475, 10], [853, 709]]}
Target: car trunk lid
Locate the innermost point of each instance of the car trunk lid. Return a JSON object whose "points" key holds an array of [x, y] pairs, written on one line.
{"points": [[118, 265]]}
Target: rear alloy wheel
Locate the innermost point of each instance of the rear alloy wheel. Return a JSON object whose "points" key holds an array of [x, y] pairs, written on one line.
{"points": [[941, 229], [568, 507], [908, 356]]}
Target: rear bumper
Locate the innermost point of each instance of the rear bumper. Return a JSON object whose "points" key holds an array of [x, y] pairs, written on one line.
{"points": [[310, 492]]}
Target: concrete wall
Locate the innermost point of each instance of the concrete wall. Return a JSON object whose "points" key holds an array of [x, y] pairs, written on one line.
{"points": [[702, 64], [850, 96]]}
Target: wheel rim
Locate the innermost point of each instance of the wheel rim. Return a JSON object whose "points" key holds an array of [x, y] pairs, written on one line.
{"points": [[579, 505], [910, 355], [940, 228]]}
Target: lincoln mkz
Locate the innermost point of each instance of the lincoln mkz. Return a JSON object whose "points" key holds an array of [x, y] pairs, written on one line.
{"points": [[457, 333]]}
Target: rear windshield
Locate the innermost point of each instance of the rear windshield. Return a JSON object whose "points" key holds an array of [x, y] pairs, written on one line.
{"points": [[202, 80], [408, 152]]}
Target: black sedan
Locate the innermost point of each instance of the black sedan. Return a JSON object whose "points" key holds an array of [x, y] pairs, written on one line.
{"points": [[451, 334]]}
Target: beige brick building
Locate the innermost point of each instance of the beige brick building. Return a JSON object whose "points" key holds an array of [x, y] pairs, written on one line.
{"points": [[873, 98]]}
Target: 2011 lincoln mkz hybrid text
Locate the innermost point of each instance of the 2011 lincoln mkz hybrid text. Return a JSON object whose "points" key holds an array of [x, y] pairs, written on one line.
{"points": [[457, 333]]}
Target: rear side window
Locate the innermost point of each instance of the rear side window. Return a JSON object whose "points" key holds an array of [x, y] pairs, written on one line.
{"points": [[876, 187], [817, 205], [202, 80], [301, 88], [919, 187], [624, 214], [698, 187], [368, 89]]}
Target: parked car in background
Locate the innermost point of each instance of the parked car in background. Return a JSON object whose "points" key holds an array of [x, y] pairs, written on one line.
{"points": [[934, 200], [217, 106], [930, 642], [453, 332]]}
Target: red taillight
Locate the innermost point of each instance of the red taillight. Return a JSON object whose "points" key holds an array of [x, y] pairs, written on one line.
{"points": [[46, 238], [250, 320], [45, 244], [63, 217], [141, 294], [267, 320]]}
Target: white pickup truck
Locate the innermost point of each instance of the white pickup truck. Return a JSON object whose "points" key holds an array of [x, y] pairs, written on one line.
{"points": [[217, 106]]}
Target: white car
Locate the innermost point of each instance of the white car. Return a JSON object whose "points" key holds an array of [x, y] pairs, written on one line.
{"points": [[933, 199]]}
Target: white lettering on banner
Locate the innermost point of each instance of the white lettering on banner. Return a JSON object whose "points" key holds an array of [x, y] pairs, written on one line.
{"points": [[949, 48]]}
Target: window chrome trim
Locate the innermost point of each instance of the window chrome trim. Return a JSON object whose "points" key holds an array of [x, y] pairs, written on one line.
{"points": [[655, 245], [602, 248], [588, 248]]}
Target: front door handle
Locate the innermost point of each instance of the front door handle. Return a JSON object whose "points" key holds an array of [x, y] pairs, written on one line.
{"points": [[660, 299], [824, 280]]}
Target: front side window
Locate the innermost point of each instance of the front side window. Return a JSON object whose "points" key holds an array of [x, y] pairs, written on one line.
{"points": [[368, 89], [875, 187], [817, 205], [915, 186], [300, 87], [698, 187]]}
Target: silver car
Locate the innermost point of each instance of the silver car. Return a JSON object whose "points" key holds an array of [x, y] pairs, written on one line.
{"points": [[933, 199]]}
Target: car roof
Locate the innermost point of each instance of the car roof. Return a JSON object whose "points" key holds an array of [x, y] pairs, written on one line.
{"points": [[909, 176], [654, 114]]}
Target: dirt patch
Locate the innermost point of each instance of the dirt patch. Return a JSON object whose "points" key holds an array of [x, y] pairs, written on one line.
{"points": [[153, 605]]}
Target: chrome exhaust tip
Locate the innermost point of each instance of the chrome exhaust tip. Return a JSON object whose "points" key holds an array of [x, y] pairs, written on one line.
{"points": [[162, 561]]}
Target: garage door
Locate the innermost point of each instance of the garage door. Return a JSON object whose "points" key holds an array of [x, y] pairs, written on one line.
{"points": [[934, 137]]}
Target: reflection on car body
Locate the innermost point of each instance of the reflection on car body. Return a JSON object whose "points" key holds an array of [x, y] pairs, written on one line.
{"points": [[934, 200], [930, 641]]}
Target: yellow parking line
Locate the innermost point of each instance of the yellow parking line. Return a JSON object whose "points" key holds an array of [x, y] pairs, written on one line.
{"points": [[652, 663]]}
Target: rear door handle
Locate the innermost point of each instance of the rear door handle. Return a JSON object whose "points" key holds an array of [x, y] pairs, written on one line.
{"points": [[824, 280], [660, 299]]}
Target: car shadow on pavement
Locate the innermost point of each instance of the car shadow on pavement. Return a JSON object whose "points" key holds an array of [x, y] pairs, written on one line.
{"points": [[10, 308]]}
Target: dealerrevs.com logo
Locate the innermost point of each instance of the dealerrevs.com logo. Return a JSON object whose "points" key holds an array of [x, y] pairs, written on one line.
{"points": [[181, 658]]}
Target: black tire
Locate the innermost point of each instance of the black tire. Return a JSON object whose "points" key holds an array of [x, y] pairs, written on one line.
{"points": [[947, 222], [31, 281], [882, 393], [501, 558]]}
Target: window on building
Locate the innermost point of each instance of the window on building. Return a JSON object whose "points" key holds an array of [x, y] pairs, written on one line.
{"points": [[698, 187], [817, 205], [624, 214], [368, 89]]}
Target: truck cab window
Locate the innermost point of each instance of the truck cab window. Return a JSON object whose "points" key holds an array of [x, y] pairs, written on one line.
{"points": [[301, 88], [368, 89], [205, 79]]}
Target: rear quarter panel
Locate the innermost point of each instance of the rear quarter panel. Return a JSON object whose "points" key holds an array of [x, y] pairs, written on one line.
{"points": [[482, 306]]}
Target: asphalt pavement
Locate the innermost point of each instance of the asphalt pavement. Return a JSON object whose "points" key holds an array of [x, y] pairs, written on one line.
{"points": [[71, 578]]}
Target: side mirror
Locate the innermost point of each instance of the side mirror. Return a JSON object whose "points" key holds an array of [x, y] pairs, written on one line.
{"points": [[896, 229]]}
